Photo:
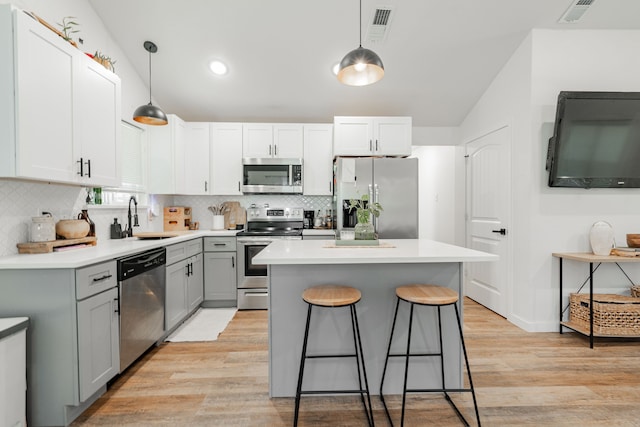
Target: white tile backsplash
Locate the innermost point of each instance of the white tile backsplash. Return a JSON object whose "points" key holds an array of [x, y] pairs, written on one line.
{"points": [[21, 200]]}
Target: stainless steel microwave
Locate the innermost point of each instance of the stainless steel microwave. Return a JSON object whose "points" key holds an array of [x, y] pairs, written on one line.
{"points": [[271, 176]]}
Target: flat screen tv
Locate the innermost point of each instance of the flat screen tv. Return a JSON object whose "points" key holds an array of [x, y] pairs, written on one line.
{"points": [[596, 141]]}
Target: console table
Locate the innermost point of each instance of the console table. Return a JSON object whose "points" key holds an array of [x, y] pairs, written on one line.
{"points": [[591, 259]]}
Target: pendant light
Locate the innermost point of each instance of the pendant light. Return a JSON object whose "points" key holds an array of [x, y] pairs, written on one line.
{"points": [[361, 66], [149, 114]]}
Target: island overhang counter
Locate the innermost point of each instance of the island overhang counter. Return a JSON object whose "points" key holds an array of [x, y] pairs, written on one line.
{"points": [[295, 265]]}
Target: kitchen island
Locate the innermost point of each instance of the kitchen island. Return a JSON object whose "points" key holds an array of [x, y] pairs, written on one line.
{"points": [[295, 265]]}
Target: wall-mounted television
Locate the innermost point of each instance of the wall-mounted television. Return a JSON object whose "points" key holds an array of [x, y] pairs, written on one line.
{"points": [[596, 141]]}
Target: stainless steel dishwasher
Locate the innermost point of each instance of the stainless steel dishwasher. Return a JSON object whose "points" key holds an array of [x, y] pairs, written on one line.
{"points": [[141, 285]]}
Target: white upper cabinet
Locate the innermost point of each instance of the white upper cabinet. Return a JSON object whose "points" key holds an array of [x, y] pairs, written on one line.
{"points": [[179, 157], [287, 141], [97, 123], [263, 140], [59, 110], [196, 158], [372, 136], [226, 159], [165, 153], [318, 160]]}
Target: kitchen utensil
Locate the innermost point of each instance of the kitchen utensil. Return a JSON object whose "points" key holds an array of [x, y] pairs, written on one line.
{"points": [[43, 228], [72, 228]]}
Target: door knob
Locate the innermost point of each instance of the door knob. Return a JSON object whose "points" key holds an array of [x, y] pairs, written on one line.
{"points": [[502, 231]]}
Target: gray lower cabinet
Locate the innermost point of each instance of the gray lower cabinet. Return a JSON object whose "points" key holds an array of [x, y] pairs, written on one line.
{"points": [[220, 272], [184, 282], [98, 341], [73, 337]]}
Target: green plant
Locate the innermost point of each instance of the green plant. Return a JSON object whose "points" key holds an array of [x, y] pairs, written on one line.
{"points": [[106, 61], [364, 209], [69, 27]]}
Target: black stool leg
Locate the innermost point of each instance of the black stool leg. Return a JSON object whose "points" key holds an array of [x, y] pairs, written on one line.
{"points": [[357, 342], [441, 351], [301, 372], [466, 361], [386, 361], [406, 366]]}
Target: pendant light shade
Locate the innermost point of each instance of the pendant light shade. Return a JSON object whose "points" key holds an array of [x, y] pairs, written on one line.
{"points": [[361, 66], [149, 114]]}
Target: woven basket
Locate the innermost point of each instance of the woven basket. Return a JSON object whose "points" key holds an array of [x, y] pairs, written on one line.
{"points": [[635, 291], [612, 314]]}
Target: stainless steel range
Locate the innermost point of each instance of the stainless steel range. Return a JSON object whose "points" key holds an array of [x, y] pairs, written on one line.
{"points": [[264, 225]]}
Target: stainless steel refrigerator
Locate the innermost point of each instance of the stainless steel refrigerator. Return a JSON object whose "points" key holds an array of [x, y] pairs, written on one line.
{"points": [[392, 182]]}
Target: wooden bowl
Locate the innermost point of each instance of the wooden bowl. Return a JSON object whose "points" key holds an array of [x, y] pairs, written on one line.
{"points": [[72, 228], [633, 240]]}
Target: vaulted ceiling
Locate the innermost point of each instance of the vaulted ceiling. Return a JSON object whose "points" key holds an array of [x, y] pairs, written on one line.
{"points": [[439, 55]]}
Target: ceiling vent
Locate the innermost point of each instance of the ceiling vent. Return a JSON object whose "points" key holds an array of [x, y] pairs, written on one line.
{"points": [[379, 24], [575, 11]]}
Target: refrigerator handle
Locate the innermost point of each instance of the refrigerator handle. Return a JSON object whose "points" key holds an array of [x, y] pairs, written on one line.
{"points": [[370, 193], [375, 199]]}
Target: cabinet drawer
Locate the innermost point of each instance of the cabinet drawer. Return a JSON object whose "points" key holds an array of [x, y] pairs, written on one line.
{"points": [[96, 278], [220, 244], [194, 247], [183, 250]]}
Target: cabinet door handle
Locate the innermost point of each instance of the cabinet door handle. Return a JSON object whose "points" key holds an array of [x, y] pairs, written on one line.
{"points": [[205, 186], [275, 150], [186, 267], [330, 191], [377, 145], [100, 279], [233, 261], [269, 149], [370, 145], [117, 304], [81, 173], [88, 168], [238, 186], [219, 244]]}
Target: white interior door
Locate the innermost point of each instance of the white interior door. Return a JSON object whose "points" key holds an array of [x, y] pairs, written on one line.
{"points": [[488, 213]]}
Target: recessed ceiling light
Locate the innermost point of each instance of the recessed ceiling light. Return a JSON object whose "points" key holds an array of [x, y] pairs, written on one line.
{"points": [[218, 68], [336, 68]]}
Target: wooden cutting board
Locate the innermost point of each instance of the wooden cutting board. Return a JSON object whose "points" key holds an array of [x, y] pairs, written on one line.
{"points": [[46, 247], [239, 213]]}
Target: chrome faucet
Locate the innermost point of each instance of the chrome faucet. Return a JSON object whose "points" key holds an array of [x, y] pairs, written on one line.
{"points": [[129, 232]]}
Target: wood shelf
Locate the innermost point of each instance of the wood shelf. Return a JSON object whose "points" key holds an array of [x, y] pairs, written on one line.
{"points": [[585, 331]]}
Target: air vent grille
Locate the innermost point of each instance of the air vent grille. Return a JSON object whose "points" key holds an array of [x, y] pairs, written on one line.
{"points": [[575, 11], [379, 25]]}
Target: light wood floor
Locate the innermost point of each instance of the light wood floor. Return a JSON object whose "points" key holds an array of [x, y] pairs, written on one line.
{"points": [[521, 379]]}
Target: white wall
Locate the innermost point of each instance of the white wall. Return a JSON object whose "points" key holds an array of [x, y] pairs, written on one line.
{"points": [[437, 192], [547, 220], [421, 135]]}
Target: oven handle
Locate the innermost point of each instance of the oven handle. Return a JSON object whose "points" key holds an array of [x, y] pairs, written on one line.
{"points": [[254, 242]]}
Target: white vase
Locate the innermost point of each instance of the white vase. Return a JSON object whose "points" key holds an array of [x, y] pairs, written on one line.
{"points": [[601, 238]]}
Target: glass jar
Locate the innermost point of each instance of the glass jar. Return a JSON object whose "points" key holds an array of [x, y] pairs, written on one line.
{"points": [[364, 231]]}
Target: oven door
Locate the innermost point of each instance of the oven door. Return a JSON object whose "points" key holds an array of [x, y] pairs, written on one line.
{"points": [[250, 274]]}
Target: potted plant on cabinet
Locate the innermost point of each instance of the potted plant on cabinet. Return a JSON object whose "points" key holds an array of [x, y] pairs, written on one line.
{"points": [[364, 229]]}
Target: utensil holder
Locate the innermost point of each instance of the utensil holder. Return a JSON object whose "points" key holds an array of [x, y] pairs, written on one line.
{"points": [[218, 222]]}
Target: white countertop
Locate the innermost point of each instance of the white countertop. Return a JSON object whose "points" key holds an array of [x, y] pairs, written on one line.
{"points": [[318, 232], [11, 325], [105, 250], [404, 251]]}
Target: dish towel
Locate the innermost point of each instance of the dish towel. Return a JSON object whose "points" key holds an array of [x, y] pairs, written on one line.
{"points": [[205, 325]]}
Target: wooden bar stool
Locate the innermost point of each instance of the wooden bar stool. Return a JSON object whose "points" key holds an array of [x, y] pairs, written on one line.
{"points": [[433, 296], [334, 296]]}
